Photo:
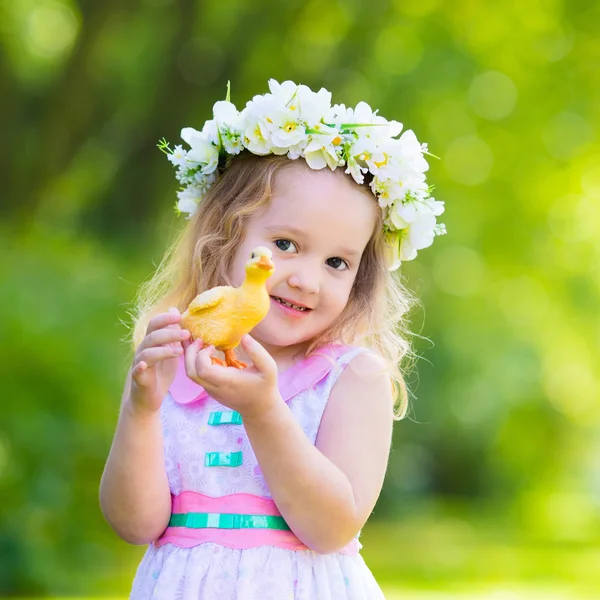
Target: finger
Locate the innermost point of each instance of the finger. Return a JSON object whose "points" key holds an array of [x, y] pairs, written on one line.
{"points": [[213, 376], [164, 336], [190, 358], [174, 311], [151, 356], [204, 364], [262, 360], [139, 374], [163, 320]]}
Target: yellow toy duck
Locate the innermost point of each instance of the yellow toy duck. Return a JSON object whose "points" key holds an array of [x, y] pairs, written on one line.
{"points": [[222, 315]]}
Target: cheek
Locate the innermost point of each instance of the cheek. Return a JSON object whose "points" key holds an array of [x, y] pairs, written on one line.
{"points": [[237, 273], [339, 295]]}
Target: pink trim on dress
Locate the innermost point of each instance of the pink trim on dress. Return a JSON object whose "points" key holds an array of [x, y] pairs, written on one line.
{"points": [[233, 538], [303, 375]]}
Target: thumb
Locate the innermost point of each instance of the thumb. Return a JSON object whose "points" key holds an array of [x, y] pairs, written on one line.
{"points": [[140, 374], [262, 360]]}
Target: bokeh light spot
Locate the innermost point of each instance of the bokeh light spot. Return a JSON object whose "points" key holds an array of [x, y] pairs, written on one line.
{"points": [[459, 271], [572, 388], [565, 134], [552, 44], [51, 29], [523, 300], [492, 95], [416, 8], [468, 160], [398, 50], [450, 120], [590, 180]]}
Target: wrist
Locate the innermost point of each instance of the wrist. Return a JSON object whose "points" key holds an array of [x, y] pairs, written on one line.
{"points": [[266, 412], [138, 411]]}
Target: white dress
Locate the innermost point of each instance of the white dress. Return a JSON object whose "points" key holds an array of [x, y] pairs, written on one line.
{"points": [[197, 564]]}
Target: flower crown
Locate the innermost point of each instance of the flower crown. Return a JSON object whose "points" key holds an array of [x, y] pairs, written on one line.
{"points": [[294, 120]]}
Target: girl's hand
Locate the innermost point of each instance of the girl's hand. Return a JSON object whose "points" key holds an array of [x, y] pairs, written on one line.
{"points": [[249, 391], [155, 362]]}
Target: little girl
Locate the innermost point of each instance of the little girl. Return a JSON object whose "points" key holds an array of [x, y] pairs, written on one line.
{"points": [[254, 484]]}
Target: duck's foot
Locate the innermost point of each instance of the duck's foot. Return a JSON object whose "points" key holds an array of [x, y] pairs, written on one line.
{"points": [[232, 360], [218, 361]]}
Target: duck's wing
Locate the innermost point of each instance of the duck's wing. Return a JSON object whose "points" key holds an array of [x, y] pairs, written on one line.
{"points": [[208, 299]]}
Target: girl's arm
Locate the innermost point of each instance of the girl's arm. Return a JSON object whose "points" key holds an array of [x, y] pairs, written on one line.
{"points": [[134, 492], [326, 492]]}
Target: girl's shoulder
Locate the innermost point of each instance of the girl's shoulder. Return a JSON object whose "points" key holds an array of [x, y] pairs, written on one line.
{"points": [[356, 362]]}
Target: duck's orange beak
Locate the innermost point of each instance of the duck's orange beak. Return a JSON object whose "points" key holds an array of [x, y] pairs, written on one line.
{"points": [[265, 263]]}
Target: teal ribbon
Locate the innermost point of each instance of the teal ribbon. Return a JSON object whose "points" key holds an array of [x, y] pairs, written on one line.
{"points": [[230, 417], [195, 520], [223, 459]]}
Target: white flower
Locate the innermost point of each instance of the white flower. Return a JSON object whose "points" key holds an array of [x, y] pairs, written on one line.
{"points": [[204, 182], [229, 127], [418, 226], [338, 114], [392, 250], [408, 150], [422, 232], [354, 169], [226, 115], [210, 132], [367, 154], [435, 206], [297, 150], [282, 92], [364, 115], [255, 136], [388, 191], [286, 128], [188, 200], [402, 215], [232, 143], [324, 148], [313, 106], [407, 252], [178, 157], [187, 133], [203, 151]]}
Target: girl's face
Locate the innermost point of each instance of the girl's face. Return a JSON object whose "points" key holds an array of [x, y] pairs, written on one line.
{"points": [[317, 225]]}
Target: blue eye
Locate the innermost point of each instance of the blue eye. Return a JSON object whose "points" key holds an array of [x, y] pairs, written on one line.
{"points": [[284, 245], [336, 263]]}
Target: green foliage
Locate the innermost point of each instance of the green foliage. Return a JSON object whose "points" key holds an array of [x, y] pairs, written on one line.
{"points": [[500, 450]]}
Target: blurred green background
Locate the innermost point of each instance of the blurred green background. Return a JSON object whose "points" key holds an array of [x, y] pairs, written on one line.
{"points": [[493, 489]]}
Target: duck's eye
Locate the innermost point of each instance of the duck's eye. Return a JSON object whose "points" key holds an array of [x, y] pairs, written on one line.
{"points": [[253, 255], [285, 245]]}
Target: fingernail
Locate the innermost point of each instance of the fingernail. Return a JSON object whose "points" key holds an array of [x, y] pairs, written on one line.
{"points": [[173, 309]]}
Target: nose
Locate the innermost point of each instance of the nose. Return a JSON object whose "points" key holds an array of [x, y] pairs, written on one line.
{"points": [[305, 276]]}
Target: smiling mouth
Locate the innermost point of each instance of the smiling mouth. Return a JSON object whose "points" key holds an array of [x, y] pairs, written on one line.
{"points": [[290, 305]]}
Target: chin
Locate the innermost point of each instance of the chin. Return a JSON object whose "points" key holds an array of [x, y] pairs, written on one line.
{"points": [[274, 336]]}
